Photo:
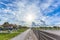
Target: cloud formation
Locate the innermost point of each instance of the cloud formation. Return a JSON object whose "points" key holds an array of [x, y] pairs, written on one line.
{"points": [[45, 11]]}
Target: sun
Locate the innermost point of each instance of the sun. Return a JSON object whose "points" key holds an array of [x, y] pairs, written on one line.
{"points": [[30, 17]]}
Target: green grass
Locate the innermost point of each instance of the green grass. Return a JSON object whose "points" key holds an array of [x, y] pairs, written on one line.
{"points": [[8, 36]]}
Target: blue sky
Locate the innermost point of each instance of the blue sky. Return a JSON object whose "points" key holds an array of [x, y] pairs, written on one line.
{"points": [[15, 11]]}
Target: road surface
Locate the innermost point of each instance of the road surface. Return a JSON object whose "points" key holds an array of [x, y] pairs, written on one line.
{"points": [[57, 32], [27, 35], [47, 35], [21, 36], [31, 34]]}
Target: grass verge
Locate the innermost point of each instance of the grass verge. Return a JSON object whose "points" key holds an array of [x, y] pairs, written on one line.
{"points": [[8, 36]]}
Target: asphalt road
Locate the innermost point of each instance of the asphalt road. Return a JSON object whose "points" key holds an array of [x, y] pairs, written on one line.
{"points": [[57, 32], [21, 36], [31, 34], [47, 35], [27, 35]]}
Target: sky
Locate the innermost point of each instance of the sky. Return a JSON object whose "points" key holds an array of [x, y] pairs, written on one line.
{"points": [[30, 12]]}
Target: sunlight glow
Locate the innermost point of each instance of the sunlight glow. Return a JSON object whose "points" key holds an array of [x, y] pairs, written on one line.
{"points": [[30, 17]]}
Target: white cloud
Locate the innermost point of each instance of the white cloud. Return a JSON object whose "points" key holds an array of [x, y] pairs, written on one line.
{"points": [[46, 4], [36, 8]]}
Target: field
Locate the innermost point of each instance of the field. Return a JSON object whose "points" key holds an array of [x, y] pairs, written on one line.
{"points": [[8, 36]]}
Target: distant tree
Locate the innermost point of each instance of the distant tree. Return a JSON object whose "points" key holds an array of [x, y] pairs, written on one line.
{"points": [[1, 27], [15, 26], [6, 24], [20, 26], [54, 26]]}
